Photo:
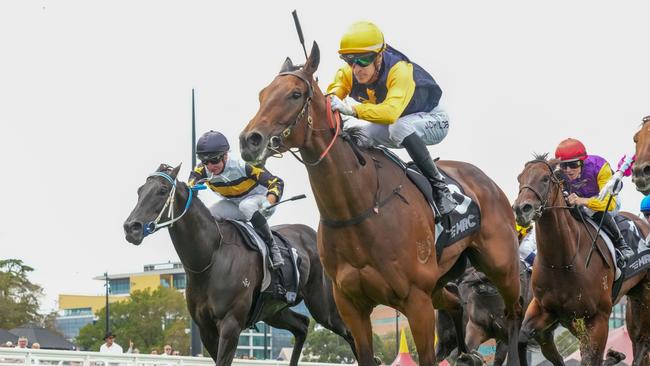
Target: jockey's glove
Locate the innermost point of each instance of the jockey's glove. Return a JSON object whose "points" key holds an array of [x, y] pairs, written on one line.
{"points": [[343, 107]]}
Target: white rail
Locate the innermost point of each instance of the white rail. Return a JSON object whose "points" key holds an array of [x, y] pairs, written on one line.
{"points": [[41, 357]]}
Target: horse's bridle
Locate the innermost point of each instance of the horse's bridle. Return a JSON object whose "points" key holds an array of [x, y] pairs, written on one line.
{"points": [[275, 142], [543, 207], [154, 226], [542, 199]]}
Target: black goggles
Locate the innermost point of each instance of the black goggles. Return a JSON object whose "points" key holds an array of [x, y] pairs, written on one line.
{"points": [[362, 60], [212, 158], [646, 214], [571, 165]]}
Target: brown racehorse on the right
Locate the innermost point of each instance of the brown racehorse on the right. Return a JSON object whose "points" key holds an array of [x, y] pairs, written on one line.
{"points": [[641, 171], [377, 234], [565, 291]]}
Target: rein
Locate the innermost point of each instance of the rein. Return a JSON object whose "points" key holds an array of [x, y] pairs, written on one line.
{"points": [[154, 226], [543, 207], [334, 119]]}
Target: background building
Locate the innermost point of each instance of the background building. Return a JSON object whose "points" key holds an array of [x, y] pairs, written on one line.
{"points": [[75, 311]]}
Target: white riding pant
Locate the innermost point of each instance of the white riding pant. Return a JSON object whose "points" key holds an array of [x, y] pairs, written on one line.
{"points": [[528, 248], [432, 127], [240, 208]]}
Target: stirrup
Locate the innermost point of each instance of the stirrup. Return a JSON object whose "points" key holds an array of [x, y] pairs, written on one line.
{"points": [[622, 259]]}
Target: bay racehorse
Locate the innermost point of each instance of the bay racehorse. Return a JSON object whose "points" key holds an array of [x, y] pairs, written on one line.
{"points": [[641, 171], [224, 276], [483, 315], [565, 291], [376, 238]]}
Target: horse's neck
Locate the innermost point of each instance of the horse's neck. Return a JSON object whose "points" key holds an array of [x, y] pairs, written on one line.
{"points": [[557, 234], [195, 234], [342, 186]]}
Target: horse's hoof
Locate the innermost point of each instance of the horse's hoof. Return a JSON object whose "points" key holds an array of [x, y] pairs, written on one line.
{"points": [[470, 359], [617, 356], [378, 361]]}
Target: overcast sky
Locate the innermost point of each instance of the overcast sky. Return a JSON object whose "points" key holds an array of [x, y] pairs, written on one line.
{"points": [[94, 95]]}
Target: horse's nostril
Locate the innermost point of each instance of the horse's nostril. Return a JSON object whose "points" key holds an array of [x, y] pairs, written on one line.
{"points": [[646, 170], [133, 227], [254, 139], [526, 208]]}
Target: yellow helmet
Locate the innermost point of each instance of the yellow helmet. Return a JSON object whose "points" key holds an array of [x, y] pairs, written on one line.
{"points": [[362, 37]]}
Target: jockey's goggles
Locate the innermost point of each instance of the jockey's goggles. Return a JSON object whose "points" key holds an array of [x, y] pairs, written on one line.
{"points": [[212, 158], [362, 60], [571, 165], [646, 214]]}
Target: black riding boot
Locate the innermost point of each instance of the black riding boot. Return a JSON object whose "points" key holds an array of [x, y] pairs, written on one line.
{"points": [[609, 224], [262, 228], [420, 154]]}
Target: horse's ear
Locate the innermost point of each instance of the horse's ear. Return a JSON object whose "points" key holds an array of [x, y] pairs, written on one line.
{"points": [[311, 65], [287, 66], [175, 171]]}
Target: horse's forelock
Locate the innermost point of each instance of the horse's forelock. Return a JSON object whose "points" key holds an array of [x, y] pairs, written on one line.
{"points": [[291, 68], [165, 168], [539, 157]]}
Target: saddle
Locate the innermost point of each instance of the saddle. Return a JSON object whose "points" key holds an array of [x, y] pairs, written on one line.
{"points": [[454, 226], [634, 238], [280, 287]]}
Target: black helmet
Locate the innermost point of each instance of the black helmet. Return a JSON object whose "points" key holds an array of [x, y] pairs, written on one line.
{"points": [[211, 144]]}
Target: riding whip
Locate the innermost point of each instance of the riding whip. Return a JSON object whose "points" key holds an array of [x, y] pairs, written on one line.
{"points": [[600, 225], [299, 30]]}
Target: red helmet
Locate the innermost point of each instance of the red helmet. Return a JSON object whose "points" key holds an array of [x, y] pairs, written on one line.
{"points": [[570, 150]]}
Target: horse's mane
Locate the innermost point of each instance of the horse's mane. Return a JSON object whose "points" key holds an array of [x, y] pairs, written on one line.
{"points": [[356, 136], [552, 163]]}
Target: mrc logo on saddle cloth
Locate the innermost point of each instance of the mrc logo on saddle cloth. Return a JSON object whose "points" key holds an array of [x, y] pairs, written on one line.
{"points": [[464, 220], [279, 286]]}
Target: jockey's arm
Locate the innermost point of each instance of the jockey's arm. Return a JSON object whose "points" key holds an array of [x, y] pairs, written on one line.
{"points": [[400, 86], [342, 83], [197, 174], [274, 184], [594, 203]]}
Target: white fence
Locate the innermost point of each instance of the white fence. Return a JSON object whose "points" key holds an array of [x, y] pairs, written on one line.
{"points": [[38, 357]]}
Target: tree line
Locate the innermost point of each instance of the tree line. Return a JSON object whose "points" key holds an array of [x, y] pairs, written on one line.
{"points": [[151, 318]]}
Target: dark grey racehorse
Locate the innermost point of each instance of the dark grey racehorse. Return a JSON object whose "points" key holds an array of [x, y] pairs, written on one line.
{"points": [[224, 277], [482, 315]]}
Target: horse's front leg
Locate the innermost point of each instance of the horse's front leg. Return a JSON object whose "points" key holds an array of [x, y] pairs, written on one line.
{"points": [[500, 353], [592, 334], [297, 324], [229, 330], [357, 317], [210, 338], [419, 311], [538, 324]]}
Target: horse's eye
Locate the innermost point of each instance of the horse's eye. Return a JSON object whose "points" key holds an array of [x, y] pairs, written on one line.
{"points": [[546, 179], [162, 191], [296, 95]]}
